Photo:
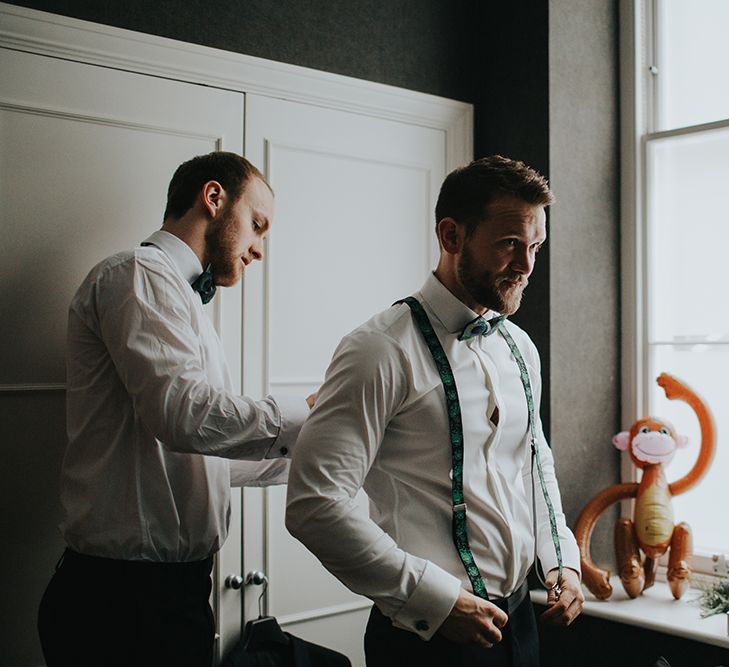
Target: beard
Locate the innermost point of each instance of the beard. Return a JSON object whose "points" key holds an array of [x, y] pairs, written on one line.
{"points": [[222, 250], [492, 291]]}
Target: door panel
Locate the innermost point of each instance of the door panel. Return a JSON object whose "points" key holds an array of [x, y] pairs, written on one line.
{"points": [[353, 232], [86, 155]]}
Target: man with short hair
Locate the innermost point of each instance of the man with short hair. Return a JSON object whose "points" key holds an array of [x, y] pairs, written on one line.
{"points": [[152, 420], [432, 406]]}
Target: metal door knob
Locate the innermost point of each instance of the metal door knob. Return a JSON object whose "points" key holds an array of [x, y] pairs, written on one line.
{"points": [[234, 581]]}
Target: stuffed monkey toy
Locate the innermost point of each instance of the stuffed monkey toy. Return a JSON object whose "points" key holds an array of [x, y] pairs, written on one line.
{"points": [[651, 444]]}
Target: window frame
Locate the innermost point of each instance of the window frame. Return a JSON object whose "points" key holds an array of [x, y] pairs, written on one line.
{"points": [[639, 90]]}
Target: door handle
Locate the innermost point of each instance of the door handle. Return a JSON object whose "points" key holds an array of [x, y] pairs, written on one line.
{"points": [[255, 577]]}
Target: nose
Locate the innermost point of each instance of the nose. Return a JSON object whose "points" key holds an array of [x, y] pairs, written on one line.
{"points": [[523, 261], [256, 250]]}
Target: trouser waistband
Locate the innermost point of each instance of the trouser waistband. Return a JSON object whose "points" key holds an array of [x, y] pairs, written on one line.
{"points": [[511, 602], [73, 559]]}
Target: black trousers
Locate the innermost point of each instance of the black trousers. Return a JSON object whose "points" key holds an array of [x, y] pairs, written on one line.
{"points": [[387, 646], [100, 611]]}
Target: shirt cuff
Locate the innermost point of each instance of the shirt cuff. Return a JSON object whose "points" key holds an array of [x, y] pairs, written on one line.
{"points": [[430, 603], [570, 557], [293, 412]]}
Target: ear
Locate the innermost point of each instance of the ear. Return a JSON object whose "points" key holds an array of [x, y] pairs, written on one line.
{"points": [[212, 195], [449, 234], [682, 440], [622, 440]]}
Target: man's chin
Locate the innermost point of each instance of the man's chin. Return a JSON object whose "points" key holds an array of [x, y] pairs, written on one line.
{"points": [[227, 279], [510, 302]]}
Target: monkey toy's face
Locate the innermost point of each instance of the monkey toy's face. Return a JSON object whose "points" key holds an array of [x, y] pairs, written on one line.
{"points": [[650, 441]]}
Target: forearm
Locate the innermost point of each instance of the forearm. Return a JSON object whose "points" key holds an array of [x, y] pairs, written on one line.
{"points": [[415, 593], [190, 416], [259, 473]]}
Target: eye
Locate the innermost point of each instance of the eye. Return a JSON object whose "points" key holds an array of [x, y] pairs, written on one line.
{"points": [[510, 242], [644, 429], [664, 431], [256, 226]]}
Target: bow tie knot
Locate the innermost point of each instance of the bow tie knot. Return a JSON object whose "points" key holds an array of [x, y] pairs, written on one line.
{"points": [[481, 327], [204, 285]]}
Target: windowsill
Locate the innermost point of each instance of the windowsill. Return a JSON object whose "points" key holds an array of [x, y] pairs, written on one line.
{"points": [[655, 610]]}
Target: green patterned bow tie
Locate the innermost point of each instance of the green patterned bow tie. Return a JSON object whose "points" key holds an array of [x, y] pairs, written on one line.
{"points": [[481, 327], [204, 285]]}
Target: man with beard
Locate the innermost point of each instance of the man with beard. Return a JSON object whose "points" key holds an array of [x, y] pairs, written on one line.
{"points": [[152, 421], [432, 407]]}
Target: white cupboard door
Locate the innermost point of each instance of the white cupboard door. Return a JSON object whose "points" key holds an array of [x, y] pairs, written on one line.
{"points": [[353, 231], [86, 155]]}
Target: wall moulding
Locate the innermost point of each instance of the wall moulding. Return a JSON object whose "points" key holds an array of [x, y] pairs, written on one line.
{"points": [[72, 39]]}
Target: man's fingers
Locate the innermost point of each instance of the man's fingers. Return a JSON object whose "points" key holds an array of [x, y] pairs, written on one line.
{"points": [[562, 612], [500, 618], [474, 621], [573, 611], [492, 634], [551, 597]]}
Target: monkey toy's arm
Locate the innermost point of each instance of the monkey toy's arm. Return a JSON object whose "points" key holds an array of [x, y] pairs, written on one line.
{"points": [[677, 390], [596, 579]]}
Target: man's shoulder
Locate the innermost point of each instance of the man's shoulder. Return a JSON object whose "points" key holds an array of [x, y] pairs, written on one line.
{"points": [[392, 324], [118, 271], [387, 334]]}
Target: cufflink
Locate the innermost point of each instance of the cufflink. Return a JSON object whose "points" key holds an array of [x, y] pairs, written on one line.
{"points": [[284, 451], [422, 626]]}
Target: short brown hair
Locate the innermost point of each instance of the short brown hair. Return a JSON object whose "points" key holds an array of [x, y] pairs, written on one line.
{"points": [[231, 170], [467, 191]]}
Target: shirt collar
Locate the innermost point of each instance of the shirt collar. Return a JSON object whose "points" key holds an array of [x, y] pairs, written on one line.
{"points": [[181, 254], [448, 308]]}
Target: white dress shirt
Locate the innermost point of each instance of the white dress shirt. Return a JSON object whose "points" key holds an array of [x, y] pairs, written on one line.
{"points": [[151, 415], [380, 423]]}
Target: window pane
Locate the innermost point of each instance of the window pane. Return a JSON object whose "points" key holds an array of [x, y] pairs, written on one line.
{"points": [[688, 234], [693, 59], [705, 369]]}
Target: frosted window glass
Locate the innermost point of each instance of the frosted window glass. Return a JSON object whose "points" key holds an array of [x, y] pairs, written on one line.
{"points": [[705, 369], [687, 242], [693, 60]]}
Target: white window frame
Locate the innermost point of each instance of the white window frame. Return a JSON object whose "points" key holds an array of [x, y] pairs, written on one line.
{"points": [[639, 90]]}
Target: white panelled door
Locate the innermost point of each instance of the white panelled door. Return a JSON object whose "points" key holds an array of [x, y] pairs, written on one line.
{"points": [[353, 231], [87, 153]]}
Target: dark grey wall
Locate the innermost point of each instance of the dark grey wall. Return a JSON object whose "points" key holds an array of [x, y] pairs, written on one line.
{"points": [[413, 44], [508, 76], [584, 277]]}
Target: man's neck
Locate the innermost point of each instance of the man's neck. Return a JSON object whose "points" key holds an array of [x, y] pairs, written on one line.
{"points": [[189, 230], [450, 281]]}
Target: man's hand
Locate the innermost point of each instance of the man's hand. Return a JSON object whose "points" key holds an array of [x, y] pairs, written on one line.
{"points": [[567, 607], [474, 621], [311, 399]]}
